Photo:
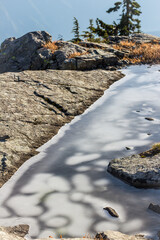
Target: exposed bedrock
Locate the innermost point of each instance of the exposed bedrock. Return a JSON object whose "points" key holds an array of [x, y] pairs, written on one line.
{"points": [[36, 104], [30, 53]]}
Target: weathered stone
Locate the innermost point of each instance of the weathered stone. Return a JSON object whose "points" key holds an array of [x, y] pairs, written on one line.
{"points": [[137, 37], [149, 119], [94, 61], [105, 47], [17, 54], [154, 208], [16, 232], [115, 235], [129, 148], [66, 49], [35, 104], [143, 172], [42, 60], [111, 211]]}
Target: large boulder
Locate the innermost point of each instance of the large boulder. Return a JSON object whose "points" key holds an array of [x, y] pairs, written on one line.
{"points": [[18, 54], [142, 172], [93, 59]]}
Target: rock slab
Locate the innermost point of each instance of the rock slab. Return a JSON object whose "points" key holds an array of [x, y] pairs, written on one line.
{"points": [[141, 172], [115, 235], [36, 104]]}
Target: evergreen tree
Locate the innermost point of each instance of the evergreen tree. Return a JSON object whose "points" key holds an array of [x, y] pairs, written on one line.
{"points": [[75, 30], [128, 23], [90, 34], [104, 30]]}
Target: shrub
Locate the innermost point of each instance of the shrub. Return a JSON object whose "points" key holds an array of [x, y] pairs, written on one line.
{"points": [[51, 45], [140, 53], [155, 149], [75, 54]]}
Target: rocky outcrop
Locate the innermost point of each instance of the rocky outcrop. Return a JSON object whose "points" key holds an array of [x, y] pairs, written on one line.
{"points": [[137, 38], [139, 171], [30, 53], [115, 235], [35, 104], [18, 54]]}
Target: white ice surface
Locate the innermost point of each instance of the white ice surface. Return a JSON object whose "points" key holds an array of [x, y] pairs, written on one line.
{"points": [[64, 188]]}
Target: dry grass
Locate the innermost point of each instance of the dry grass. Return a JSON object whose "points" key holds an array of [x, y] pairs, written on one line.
{"points": [[75, 54], [140, 53], [155, 149], [51, 45]]}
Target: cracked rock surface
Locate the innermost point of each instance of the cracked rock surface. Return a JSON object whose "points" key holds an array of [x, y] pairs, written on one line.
{"points": [[35, 104]]}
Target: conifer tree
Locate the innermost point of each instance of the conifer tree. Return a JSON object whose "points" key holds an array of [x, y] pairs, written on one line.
{"points": [[75, 30], [104, 30], [128, 23], [90, 34]]}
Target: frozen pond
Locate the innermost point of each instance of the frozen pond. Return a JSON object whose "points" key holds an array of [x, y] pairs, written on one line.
{"points": [[64, 188]]}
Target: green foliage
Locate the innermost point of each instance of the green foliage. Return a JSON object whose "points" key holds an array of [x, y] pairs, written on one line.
{"points": [[75, 30], [90, 34], [128, 23], [116, 7]]}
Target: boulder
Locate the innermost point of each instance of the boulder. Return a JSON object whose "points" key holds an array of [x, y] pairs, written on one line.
{"points": [[111, 211], [66, 50], [94, 60], [139, 171], [154, 208], [18, 54]]}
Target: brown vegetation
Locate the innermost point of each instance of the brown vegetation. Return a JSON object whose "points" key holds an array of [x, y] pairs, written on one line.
{"points": [[51, 45], [155, 149], [140, 53], [75, 54]]}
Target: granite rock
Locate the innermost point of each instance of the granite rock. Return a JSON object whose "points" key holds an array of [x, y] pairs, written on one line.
{"points": [[35, 104], [142, 172]]}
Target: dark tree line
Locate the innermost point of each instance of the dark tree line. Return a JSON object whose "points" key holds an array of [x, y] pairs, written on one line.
{"points": [[126, 25]]}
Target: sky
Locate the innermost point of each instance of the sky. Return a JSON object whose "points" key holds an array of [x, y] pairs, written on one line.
{"points": [[18, 17]]}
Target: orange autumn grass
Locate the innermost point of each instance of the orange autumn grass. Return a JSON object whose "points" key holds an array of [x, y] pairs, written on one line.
{"points": [[75, 54], [51, 45], [140, 53]]}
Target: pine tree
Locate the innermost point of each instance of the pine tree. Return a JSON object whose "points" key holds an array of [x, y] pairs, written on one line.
{"points": [[104, 29], [75, 30], [128, 23], [90, 34]]}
